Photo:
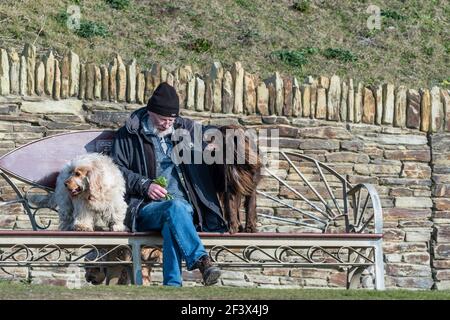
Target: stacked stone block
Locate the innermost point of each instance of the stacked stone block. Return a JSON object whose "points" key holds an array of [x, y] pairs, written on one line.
{"points": [[441, 215], [233, 91]]}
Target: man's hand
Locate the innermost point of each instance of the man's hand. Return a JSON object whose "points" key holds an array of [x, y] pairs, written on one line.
{"points": [[156, 192]]}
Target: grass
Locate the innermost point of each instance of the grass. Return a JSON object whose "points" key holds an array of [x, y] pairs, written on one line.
{"points": [[90, 29], [198, 45], [411, 48], [339, 54], [392, 14], [302, 5], [118, 4], [10, 290], [295, 58]]}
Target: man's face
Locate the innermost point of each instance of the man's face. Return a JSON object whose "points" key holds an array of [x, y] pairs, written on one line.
{"points": [[161, 123]]}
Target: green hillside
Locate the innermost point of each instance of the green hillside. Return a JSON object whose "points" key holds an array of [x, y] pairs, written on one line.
{"points": [[300, 37]]}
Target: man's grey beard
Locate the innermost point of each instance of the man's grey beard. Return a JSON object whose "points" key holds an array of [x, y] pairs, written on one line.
{"points": [[165, 132], [157, 132]]}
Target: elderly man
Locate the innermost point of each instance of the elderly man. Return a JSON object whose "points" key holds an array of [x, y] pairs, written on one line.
{"points": [[142, 149]]}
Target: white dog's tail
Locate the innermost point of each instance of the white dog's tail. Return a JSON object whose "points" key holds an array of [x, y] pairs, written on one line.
{"points": [[43, 200]]}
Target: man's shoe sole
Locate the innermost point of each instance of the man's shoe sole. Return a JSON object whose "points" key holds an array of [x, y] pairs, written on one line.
{"points": [[212, 277]]}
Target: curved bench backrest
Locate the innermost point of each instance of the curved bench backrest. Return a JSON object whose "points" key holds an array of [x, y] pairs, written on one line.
{"points": [[39, 162], [315, 197]]}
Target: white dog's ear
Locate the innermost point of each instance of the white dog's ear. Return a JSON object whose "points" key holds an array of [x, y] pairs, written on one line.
{"points": [[95, 185]]}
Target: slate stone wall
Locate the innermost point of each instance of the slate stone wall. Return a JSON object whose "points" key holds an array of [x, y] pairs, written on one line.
{"points": [[394, 137]]}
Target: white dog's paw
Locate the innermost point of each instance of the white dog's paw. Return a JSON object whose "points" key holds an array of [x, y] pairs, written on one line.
{"points": [[118, 227], [82, 227]]}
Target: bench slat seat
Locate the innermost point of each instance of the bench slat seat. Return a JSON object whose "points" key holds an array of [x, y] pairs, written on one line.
{"points": [[203, 235], [262, 239]]}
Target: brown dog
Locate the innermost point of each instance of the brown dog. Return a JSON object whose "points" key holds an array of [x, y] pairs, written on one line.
{"points": [[119, 274], [236, 180]]}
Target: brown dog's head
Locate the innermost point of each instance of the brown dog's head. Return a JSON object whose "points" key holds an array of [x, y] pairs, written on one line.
{"points": [[108, 274], [78, 182], [95, 274], [242, 175]]}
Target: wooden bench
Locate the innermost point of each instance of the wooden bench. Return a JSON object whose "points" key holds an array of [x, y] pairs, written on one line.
{"points": [[345, 232]]}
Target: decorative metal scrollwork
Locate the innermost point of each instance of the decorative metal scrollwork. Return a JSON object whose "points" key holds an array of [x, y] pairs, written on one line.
{"points": [[15, 254], [45, 253], [292, 256], [28, 196], [327, 201], [53, 255]]}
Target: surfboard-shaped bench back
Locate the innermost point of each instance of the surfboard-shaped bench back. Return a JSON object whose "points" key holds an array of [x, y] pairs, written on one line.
{"points": [[39, 162]]}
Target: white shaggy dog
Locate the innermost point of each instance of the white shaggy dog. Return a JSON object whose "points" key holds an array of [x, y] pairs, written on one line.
{"points": [[90, 188]]}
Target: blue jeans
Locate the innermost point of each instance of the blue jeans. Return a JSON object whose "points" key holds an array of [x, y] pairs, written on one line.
{"points": [[180, 239]]}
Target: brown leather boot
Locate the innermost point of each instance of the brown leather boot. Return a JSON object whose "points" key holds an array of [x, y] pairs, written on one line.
{"points": [[210, 273]]}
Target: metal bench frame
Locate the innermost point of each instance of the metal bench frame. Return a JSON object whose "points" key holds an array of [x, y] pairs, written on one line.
{"points": [[351, 252], [358, 248]]}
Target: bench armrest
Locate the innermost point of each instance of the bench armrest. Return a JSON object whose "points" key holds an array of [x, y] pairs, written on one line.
{"points": [[365, 208]]}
